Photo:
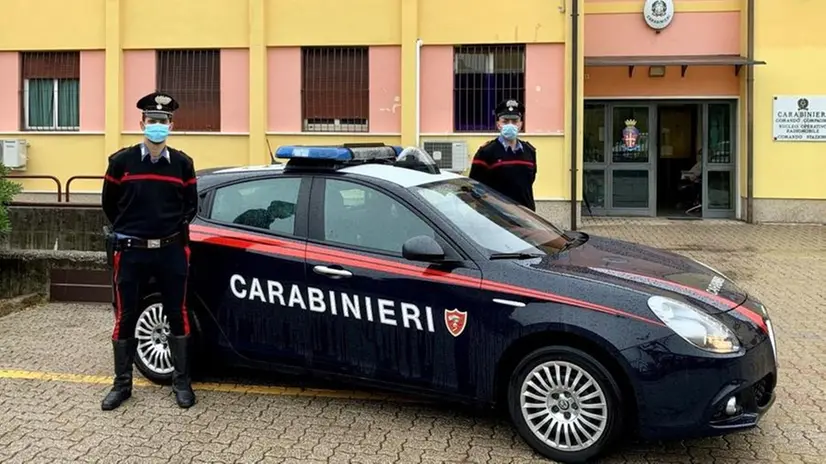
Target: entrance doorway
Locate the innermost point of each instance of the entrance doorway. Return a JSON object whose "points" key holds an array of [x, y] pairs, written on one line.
{"points": [[660, 158]]}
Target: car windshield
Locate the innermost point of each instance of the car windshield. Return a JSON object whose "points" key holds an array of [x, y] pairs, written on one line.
{"points": [[495, 223]]}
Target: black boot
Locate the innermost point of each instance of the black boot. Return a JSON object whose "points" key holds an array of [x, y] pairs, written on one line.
{"points": [[124, 351], [181, 380]]}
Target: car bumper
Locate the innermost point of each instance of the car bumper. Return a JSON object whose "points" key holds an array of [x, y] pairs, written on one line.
{"points": [[687, 396]]}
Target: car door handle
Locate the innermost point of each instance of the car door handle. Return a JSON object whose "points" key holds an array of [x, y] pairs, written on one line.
{"points": [[515, 304], [332, 272]]}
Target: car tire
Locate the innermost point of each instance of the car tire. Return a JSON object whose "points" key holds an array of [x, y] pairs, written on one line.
{"points": [[152, 357], [593, 411]]}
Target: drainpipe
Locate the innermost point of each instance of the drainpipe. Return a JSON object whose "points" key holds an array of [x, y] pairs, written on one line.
{"points": [[750, 117], [418, 89], [574, 106]]}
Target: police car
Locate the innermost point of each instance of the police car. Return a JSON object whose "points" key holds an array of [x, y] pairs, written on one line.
{"points": [[369, 263]]}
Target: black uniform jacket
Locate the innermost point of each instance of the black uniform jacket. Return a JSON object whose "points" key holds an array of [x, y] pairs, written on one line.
{"points": [[149, 200], [510, 173]]}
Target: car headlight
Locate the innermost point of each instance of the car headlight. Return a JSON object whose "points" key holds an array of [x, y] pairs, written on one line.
{"points": [[695, 326]]}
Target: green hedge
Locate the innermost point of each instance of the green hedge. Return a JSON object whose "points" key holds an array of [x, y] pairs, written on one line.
{"points": [[8, 190]]}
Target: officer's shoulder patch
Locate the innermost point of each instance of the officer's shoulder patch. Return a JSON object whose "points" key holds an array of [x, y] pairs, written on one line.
{"points": [[487, 144], [181, 153], [528, 144], [120, 152]]}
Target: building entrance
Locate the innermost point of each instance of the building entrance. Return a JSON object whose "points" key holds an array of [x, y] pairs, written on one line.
{"points": [[660, 158]]}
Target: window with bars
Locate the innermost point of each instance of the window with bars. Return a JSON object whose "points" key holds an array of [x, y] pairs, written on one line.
{"points": [[484, 76], [51, 91], [335, 89], [193, 78]]}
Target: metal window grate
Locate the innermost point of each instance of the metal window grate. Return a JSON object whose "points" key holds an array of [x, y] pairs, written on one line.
{"points": [[335, 89], [483, 76], [50, 95], [193, 77]]}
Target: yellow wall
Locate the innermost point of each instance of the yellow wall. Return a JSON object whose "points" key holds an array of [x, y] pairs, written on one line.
{"points": [[491, 21], [182, 24], [62, 156], [52, 24], [788, 41], [116, 25], [351, 22]]}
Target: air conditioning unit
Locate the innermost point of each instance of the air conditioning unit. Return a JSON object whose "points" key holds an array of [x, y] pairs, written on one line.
{"points": [[450, 156], [13, 152]]}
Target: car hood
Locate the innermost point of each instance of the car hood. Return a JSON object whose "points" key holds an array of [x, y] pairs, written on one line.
{"points": [[646, 269]]}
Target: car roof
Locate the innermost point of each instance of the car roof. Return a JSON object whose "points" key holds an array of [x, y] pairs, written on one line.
{"points": [[403, 177]]}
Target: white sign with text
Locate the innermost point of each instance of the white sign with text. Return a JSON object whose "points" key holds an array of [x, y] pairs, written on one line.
{"points": [[799, 119]]}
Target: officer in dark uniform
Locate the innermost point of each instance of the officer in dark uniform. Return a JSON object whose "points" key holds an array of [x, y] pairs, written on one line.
{"points": [[150, 197], [506, 163]]}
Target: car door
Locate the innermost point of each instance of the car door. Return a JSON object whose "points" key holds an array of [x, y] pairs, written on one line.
{"points": [[251, 253], [375, 314]]}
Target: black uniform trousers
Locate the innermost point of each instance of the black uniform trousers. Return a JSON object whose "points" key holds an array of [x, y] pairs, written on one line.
{"points": [[132, 269]]}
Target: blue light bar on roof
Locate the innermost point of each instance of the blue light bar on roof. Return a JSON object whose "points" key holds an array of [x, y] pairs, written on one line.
{"points": [[340, 153], [319, 153]]}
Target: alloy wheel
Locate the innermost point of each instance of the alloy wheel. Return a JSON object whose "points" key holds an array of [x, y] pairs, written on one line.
{"points": [[151, 332], [564, 406]]}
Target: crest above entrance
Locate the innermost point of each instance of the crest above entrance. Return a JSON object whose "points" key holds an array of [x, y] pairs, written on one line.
{"points": [[658, 14]]}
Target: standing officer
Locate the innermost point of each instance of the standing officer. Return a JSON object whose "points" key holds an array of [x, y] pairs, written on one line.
{"points": [[150, 197], [506, 163]]}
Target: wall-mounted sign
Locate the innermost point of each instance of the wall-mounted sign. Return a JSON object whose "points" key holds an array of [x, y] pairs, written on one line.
{"points": [[658, 13], [799, 119]]}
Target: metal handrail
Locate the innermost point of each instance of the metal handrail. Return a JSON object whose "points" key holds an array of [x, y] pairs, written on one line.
{"points": [[69, 182], [37, 176]]}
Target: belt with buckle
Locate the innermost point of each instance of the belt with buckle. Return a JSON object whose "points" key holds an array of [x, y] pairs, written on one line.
{"points": [[148, 243]]}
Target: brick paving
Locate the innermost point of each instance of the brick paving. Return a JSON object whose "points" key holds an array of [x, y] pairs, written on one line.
{"points": [[60, 421]]}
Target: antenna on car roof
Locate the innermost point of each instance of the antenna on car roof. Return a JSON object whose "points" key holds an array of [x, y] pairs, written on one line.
{"points": [[270, 152]]}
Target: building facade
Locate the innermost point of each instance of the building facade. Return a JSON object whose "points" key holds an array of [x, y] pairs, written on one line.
{"points": [[642, 92]]}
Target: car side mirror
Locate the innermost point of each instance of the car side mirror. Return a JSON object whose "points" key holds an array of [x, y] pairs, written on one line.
{"points": [[423, 248]]}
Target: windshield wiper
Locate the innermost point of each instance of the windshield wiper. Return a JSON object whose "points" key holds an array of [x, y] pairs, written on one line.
{"points": [[578, 240], [515, 255]]}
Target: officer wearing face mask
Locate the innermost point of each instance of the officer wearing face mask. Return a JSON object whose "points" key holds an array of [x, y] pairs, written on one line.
{"points": [[506, 163], [150, 196]]}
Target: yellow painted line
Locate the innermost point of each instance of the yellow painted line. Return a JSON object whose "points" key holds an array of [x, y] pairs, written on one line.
{"points": [[206, 386], [705, 6]]}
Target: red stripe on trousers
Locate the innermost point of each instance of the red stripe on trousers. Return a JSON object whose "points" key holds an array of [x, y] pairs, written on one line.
{"points": [[118, 303], [184, 314]]}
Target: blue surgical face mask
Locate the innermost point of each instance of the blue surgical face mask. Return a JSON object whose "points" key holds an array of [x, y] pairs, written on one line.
{"points": [[509, 131], [156, 133]]}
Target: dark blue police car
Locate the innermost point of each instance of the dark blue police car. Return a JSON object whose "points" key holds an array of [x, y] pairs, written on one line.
{"points": [[369, 263]]}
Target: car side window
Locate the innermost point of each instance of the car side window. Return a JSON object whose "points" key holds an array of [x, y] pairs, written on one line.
{"points": [[361, 216], [267, 204]]}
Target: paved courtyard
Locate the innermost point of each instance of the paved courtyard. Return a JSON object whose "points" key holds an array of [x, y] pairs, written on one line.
{"points": [[55, 368]]}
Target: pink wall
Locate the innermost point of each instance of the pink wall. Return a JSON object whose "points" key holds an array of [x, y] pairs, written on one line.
{"points": [[385, 89], [284, 89], [545, 88], [93, 91], [9, 92], [436, 89], [699, 81], [138, 80], [235, 90], [712, 33]]}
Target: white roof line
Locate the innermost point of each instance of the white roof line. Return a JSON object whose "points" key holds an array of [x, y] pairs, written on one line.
{"points": [[404, 177]]}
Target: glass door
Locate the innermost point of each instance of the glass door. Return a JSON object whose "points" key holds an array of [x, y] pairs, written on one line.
{"points": [[595, 163], [719, 160], [619, 177], [631, 176]]}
